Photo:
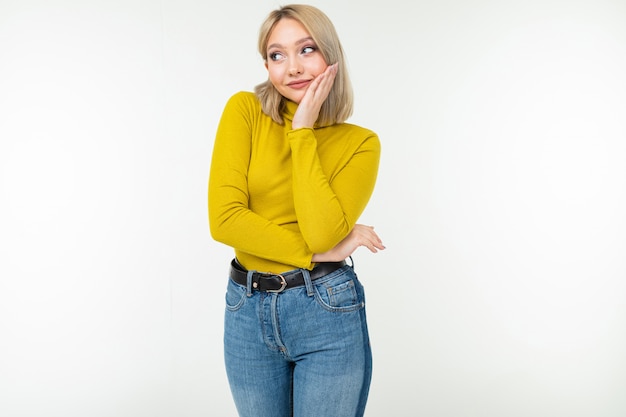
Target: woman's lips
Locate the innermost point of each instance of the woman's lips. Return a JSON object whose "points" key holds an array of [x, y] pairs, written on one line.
{"points": [[299, 84]]}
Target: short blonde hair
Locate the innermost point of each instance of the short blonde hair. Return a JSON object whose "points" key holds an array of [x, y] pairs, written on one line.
{"points": [[339, 104]]}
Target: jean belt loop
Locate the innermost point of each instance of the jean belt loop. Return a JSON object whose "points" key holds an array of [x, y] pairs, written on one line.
{"points": [[249, 283], [307, 282]]}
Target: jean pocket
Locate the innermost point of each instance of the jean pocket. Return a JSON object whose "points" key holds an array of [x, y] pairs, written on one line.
{"points": [[235, 296], [341, 293]]}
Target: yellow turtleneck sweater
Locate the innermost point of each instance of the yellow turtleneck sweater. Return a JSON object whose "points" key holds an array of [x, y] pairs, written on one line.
{"points": [[278, 195]]}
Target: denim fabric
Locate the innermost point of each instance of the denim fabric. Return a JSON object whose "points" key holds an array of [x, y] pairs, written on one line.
{"points": [[304, 352]]}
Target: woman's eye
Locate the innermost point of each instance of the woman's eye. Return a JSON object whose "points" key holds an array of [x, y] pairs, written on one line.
{"points": [[275, 56], [308, 49]]}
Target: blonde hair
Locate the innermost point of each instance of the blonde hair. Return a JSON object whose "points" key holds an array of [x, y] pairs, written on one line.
{"points": [[339, 104]]}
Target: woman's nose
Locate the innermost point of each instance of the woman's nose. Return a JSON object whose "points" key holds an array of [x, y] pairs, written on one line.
{"points": [[295, 68]]}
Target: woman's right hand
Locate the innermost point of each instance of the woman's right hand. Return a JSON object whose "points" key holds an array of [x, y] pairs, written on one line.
{"points": [[361, 235], [309, 107]]}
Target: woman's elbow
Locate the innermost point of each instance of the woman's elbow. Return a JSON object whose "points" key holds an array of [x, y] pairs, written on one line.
{"points": [[217, 229], [321, 244]]}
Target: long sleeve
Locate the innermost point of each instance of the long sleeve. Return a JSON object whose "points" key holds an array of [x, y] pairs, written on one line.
{"points": [[328, 207], [231, 220]]}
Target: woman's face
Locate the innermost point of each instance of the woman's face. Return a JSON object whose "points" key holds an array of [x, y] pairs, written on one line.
{"points": [[293, 60]]}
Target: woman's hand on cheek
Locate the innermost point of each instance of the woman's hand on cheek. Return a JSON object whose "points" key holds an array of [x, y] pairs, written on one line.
{"points": [[315, 95]]}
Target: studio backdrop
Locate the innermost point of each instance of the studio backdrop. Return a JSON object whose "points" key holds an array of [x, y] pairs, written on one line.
{"points": [[500, 199]]}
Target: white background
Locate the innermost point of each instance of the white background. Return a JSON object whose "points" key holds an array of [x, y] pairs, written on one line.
{"points": [[501, 199]]}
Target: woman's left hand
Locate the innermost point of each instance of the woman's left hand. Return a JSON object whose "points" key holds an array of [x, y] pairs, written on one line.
{"points": [[315, 95], [361, 235]]}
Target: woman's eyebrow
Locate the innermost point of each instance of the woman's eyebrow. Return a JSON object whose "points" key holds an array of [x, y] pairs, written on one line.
{"points": [[298, 42]]}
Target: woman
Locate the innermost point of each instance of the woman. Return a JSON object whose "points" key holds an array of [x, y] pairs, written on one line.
{"points": [[289, 179]]}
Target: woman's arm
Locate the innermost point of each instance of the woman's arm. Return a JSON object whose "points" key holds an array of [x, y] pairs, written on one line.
{"points": [[230, 219], [328, 208]]}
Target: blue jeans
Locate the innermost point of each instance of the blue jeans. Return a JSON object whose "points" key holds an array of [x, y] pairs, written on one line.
{"points": [[304, 352]]}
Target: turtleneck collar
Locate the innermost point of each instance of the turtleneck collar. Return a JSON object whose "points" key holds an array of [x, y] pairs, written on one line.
{"points": [[290, 109]]}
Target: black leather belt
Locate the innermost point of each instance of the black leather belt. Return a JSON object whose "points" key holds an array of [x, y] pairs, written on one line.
{"points": [[278, 282]]}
